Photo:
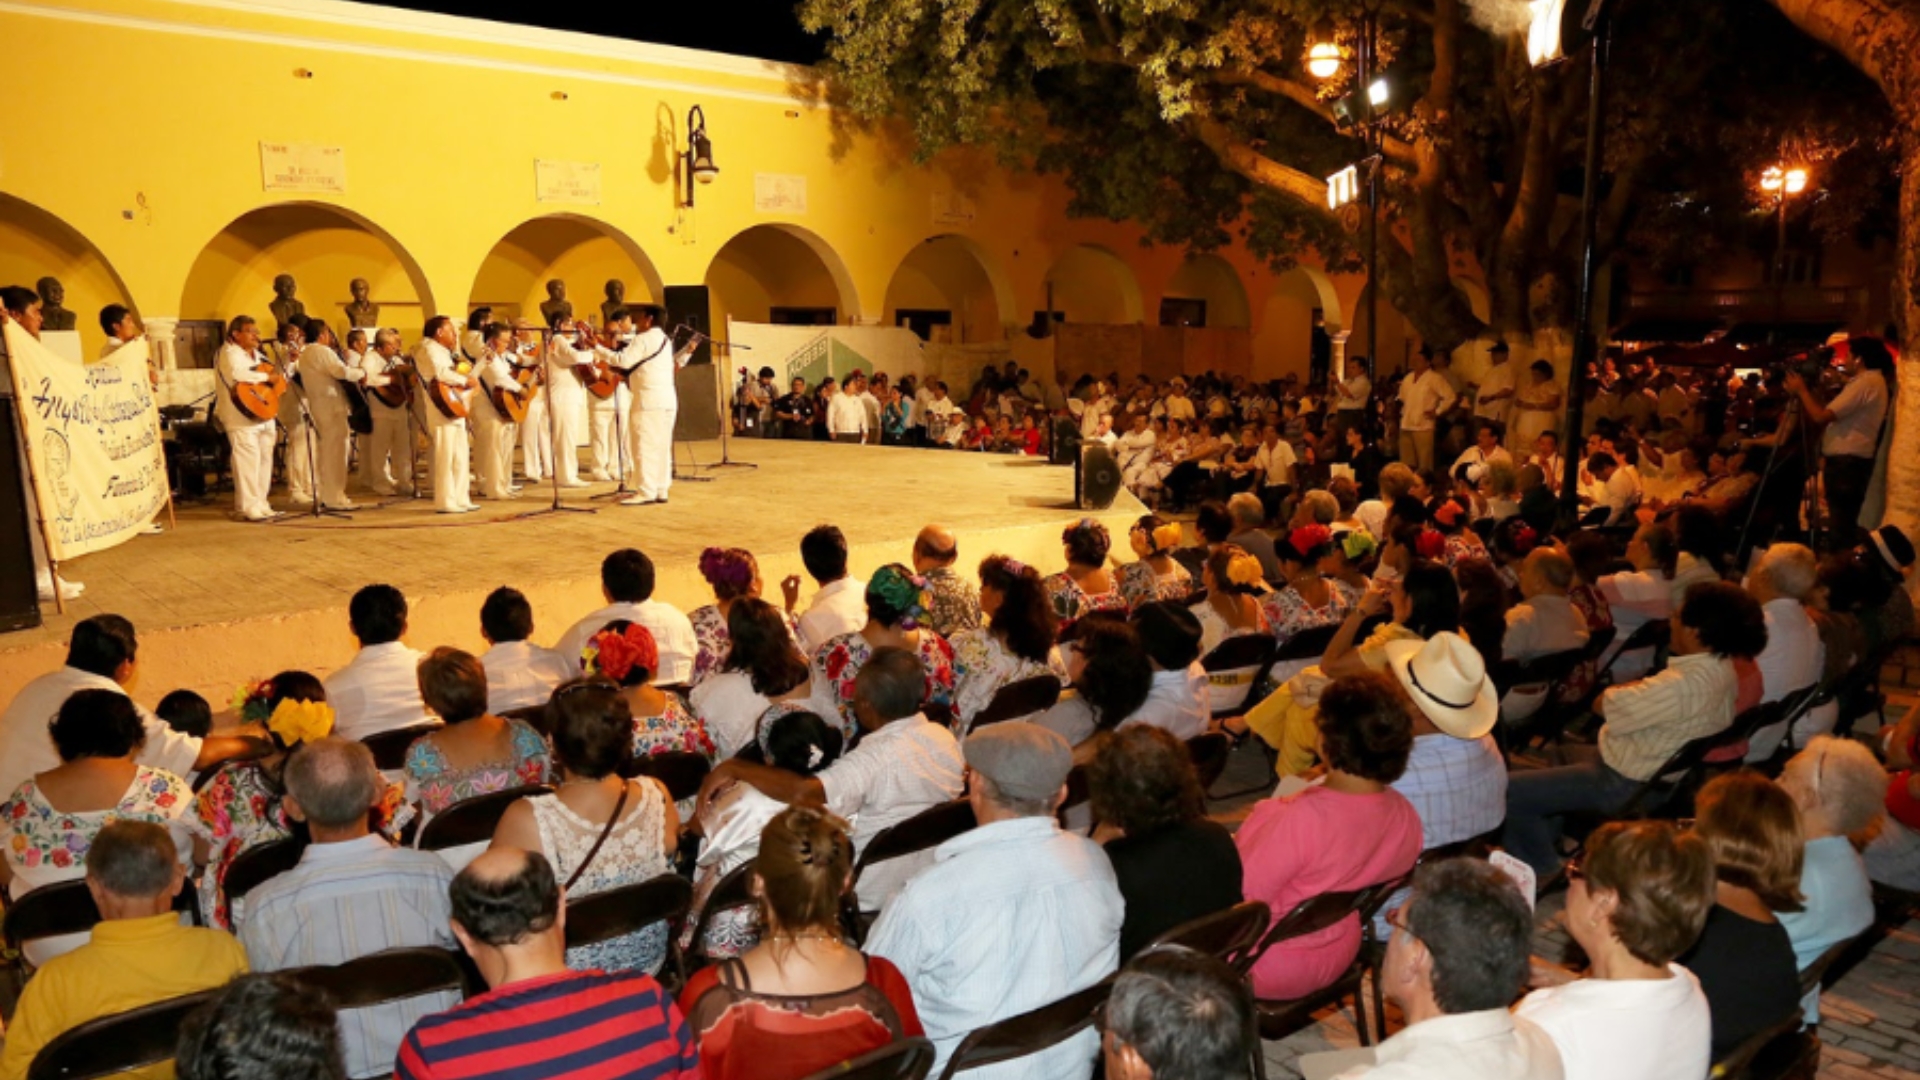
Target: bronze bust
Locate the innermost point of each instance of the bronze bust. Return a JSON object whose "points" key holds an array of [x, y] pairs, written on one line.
{"points": [[52, 315], [616, 298], [284, 306], [557, 306], [362, 313]]}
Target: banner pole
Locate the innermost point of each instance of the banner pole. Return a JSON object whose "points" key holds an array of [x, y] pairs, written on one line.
{"points": [[33, 483], [160, 432]]}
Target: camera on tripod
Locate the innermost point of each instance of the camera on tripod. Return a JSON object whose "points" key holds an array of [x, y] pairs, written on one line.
{"points": [[1811, 365]]}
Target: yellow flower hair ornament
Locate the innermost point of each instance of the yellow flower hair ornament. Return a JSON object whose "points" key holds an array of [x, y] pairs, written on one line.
{"points": [[1244, 570], [1166, 537], [295, 722]]}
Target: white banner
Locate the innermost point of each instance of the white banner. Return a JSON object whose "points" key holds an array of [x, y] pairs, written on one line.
{"points": [[93, 438]]}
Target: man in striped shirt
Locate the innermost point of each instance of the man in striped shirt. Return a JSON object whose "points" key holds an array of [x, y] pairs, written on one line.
{"points": [[540, 1020]]}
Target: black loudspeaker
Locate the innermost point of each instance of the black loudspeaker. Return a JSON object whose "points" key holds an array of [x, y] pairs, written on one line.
{"points": [[687, 306], [1066, 442], [1096, 482], [19, 600], [699, 408]]}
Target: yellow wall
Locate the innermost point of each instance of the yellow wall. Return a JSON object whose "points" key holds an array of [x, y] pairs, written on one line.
{"points": [[32, 244]]}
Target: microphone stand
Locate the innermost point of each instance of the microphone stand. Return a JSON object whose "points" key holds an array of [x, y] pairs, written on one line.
{"points": [[619, 447], [720, 400], [313, 464], [553, 442]]}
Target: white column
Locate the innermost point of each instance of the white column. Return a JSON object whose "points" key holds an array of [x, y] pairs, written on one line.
{"points": [[1339, 366], [160, 340]]}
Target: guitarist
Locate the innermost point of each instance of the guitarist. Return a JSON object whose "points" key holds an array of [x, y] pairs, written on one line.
{"points": [[651, 363], [433, 358], [325, 377], [386, 465], [251, 440], [609, 459], [493, 431]]}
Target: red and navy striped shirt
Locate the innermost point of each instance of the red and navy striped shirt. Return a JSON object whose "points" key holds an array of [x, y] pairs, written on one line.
{"points": [[576, 1025]]}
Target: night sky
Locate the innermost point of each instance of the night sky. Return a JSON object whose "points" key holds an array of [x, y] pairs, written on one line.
{"points": [[766, 29]]}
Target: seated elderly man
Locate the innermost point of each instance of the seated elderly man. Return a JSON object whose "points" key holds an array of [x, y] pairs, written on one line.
{"points": [[1795, 656], [352, 895], [1178, 1015], [1839, 787], [1012, 915], [1249, 519], [139, 953], [1543, 623], [954, 604], [1647, 722]]}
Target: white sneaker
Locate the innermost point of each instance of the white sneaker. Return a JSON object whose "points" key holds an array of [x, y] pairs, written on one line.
{"points": [[69, 590], [599, 477]]}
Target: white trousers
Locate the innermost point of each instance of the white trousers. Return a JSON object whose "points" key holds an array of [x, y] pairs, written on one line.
{"points": [[536, 449], [252, 468], [493, 439], [653, 450], [333, 441], [298, 462], [565, 452], [384, 458], [609, 457], [450, 464]]}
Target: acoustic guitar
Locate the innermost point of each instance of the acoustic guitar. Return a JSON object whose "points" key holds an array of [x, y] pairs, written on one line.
{"points": [[512, 404], [450, 400], [398, 393], [260, 400], [608, 378]]}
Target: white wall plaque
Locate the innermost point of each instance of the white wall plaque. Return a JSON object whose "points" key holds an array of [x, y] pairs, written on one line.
{"points": [[303, 167], [567, 182]]}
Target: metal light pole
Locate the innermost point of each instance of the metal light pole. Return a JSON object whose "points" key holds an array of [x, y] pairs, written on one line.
{"points": [[1372, 140], [1782, 181], [1584, 343]]}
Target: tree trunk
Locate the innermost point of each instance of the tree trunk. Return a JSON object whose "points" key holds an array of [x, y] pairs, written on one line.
{"points": [[1903, 463]]}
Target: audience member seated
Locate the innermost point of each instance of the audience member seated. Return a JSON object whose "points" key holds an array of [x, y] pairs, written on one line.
{"points": [[802, 999], [1012, 915], [137, 954], [1177, 698], [186, 713], [1452, 518], [476, 752], [1346, 833], [1249, 520], [1591, 554], [799, 743], [1017, 642], [1108, 678], [1794, 658], [1233, 584], [539, 1017], [1456, 958], [100, 656], [520, 674], [1545, 622], [353, 894], [627, 581], [1744, 958], [1173, 863], [1646, 723], [1178, 1015], [734, 575], [953, 606], [896, 602], [598, 829], [838, 606], [1640, 596], [903, 764], [763, 667], [262, 1025], [625, 654], [1154, 574], [50, 821], [379, 689], [1697, 534], [1838, 786], [1303, 598], [1397, 482], [1889, 616], [1484, 603], [1634, 903], [1085, 586]]}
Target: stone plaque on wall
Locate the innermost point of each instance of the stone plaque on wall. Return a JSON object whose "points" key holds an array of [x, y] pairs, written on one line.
{"points": [[779, 193], [952, 208], [303, 167], [567, 182]]}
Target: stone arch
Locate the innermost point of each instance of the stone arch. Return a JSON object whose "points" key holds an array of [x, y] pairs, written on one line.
{"points": [[1283, 344], [36, 244], [956, 274], [1091, 284], [1212, 280], [776, 268], [324, 246], [580, 250]]}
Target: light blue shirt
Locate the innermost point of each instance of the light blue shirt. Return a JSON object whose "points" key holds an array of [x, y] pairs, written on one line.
{"points": [[1839, 906]]}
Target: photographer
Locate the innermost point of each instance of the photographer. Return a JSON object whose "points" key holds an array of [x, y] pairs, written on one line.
{"points": [[1854, 420]]}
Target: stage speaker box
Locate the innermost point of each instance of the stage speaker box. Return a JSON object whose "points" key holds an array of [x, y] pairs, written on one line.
{"points": [[1066, 442], [687, 305], [1096, 482], [19, 603], [699, 398]]}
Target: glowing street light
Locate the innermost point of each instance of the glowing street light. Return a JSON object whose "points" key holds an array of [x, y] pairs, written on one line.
{"points": [[1543, 31], [1378, 92], [1343, 187], [1779, 179], [1323, 54]]}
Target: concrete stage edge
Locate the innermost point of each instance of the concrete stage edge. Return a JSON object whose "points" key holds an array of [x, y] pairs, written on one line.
{"points": [[217, 602]]}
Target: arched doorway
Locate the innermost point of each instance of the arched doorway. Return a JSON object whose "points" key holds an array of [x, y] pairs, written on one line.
{"points": [[950, 289], [1286, 339], [780, 274], [324, 247], [34, 244], [583, 253], [1205, 291], [1090, 284]]}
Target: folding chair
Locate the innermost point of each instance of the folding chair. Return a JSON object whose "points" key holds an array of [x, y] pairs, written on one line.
{"points": [[117, 1043], [389, 975], [473, 821], [629, 909], [65, 907], [1019, 699], [906, 1059], [1277, 1018], [390, 747], [927, 829], [1030, 1032], [1229, 936], [1653, 635], [731, 893], [1209, 753], [534, 716], [1236, 669], [681, 771], [1783, 1042], [260, 863]]}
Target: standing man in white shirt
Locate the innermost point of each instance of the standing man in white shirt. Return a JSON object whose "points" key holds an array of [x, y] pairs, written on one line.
{"points": [[656, 404], [840, 604], [569, 366], [494, 432], [1855, 419], [536, 448], [297, 459], [1353, 394], [626, 580], [433, 358], [251, 440], [321, 373], [386, 460], [1424, 395], [1493, 397], [1486, 450], [520, 674], [863, 392], [846, 417], [379, 689]]}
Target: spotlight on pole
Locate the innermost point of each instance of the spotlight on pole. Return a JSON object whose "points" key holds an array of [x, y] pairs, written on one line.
{"points": [[1543, 31], [1343, 187], [1378, 93]]}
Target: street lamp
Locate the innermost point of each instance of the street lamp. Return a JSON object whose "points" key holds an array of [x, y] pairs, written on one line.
{"points": [[1543, 31], [698, 159], [1323, 53], [1782, 181]]}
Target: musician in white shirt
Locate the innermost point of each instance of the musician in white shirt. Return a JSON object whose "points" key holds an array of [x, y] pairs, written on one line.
{"points": [[433, 359], [321, 374], [250, 439], [655, 403], [493, 430], [536, 451], [611, 417], [1485, 451], [297, 458], [637, 348], [382, 366], [569, 365]]}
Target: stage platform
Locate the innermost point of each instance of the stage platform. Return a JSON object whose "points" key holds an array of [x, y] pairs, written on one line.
{"points": [[217, 601]]}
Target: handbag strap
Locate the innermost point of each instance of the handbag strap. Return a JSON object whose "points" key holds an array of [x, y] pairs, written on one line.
{"points": [[618, 806]]}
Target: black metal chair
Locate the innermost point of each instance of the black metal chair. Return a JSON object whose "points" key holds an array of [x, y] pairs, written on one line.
{"points": [[1030, 1032], [65, 907], [1278, 1019], [1783, 1042], [680, 771], [473, 821], [260, 863], [1229, 936], [905, 1059], [1308, 644], [390, 747], [1252, 653], [1209, 753], [388, 975], [1654, 635], [1018, 700], [534, 716], [255, 750], [630, 908], [732, 892], [927, 829], [117, 1043]]}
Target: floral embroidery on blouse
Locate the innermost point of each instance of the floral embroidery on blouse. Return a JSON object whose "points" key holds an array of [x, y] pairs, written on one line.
{"points": [[39, 835], [1461, 546], [1071, 602], [1140, 585], [1599, 615], [952, 605], [840, 660], [674, 729], [982, 665], [1288, 612], [439, 785], [711, 642]]}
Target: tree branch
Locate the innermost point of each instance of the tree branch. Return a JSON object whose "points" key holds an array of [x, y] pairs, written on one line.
{"points": [[1242, 158], [1397, 151]]}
